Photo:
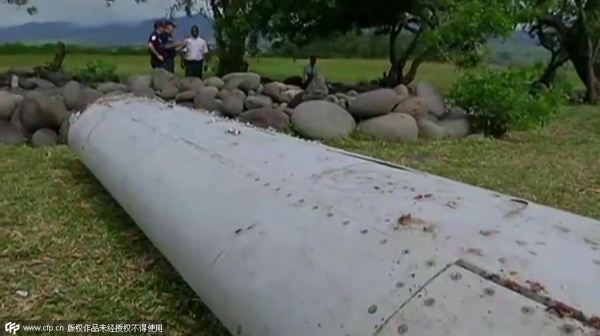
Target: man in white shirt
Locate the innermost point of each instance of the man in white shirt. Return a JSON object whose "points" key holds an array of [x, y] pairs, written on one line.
{"points": [[195, 49], [310, 71]]}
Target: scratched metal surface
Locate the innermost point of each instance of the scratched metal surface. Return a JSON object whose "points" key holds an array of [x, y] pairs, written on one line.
{"points": [[281, 236], [458, 302]]}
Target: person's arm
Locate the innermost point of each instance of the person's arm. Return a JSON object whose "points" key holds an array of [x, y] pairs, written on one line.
{"points": [[175, 45], [156, 53]]}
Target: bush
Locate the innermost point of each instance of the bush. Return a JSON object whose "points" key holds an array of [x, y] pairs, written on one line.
{"points": [[97, 71], [503, 100]]}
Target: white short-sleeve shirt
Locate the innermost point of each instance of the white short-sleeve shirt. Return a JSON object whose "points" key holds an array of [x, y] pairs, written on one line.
{"points": [[195, 49]]}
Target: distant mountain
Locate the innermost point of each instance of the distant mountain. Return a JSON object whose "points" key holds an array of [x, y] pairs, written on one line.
{"points": [[518, 49], [106, 35]]}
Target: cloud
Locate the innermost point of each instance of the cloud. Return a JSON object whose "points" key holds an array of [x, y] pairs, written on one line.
{"points": [[83, 12]]}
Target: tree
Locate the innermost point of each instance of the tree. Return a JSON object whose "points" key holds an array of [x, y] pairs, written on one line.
{"points": [[570, 30], [454, 29], [233, 21]]}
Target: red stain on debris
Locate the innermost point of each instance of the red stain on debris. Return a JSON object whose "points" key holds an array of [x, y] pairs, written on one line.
{"points": [[405, 220], [513, 286], [562, 310], [594, 322], [536, 287], [422, 197]]}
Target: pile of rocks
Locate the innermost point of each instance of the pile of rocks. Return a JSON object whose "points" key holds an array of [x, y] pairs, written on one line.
{"points": [[38, 110]]}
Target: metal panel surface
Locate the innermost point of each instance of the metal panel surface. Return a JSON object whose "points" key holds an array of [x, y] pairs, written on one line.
{"points": [[458, 302], [280, 236]]}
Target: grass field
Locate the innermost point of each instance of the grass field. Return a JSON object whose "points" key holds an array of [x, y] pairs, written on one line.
{"points": [[78, 254], [440, 75], [338, 70]]}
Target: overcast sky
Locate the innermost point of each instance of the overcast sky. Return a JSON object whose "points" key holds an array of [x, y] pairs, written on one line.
{"points": [[83, 12]]}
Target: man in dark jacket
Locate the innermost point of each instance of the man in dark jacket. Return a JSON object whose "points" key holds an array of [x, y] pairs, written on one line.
{"points": [[155, 45], [170, 46]]}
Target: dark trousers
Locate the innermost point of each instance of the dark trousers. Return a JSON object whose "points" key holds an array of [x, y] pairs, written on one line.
{"points": [[155, 63], [169, 65], [194, 68]]}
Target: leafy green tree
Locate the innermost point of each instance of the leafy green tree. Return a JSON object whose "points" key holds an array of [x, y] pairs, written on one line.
{"points": [[233, 21], [570, 29], [454, 29]]}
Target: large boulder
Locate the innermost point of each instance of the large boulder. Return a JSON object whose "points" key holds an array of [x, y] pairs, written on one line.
{"points": [[242, 80], [44, 137], [40, 111], [456, 113], [205, 99], [239, 94], [144, 93], [52, 111], [235, 92], [26, 83], [433, 99], [414, 106], [214, 82], [394, 127], [322, 120], [429, 129], [266, 118], [251, 83], [91, 96], [41, 83], [30, 112], [139, 82], [63, 132], [258, 101], [110, 87], [455, 128], [190, 84], [8, 104], [373, 103], [402, 91], [55, 92], [316, 90], [160, 78], [58, 78], [274, 91], [296, 100], [75, 96], [15, 121], [5, 80], [184, 97], [10, 135], [168, 92], [231, 106]]}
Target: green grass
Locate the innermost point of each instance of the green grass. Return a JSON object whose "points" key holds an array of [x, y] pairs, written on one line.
{"points": [[63, 238], [350, 70], [338, 70]]}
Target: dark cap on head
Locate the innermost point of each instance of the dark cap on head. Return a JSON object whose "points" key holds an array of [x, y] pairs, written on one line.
{"points": [[159, 23]]}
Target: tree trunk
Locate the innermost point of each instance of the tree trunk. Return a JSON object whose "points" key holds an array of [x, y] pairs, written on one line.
{"points": [[392, 75], [549, 75], [580, 54], [231, 50]]}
